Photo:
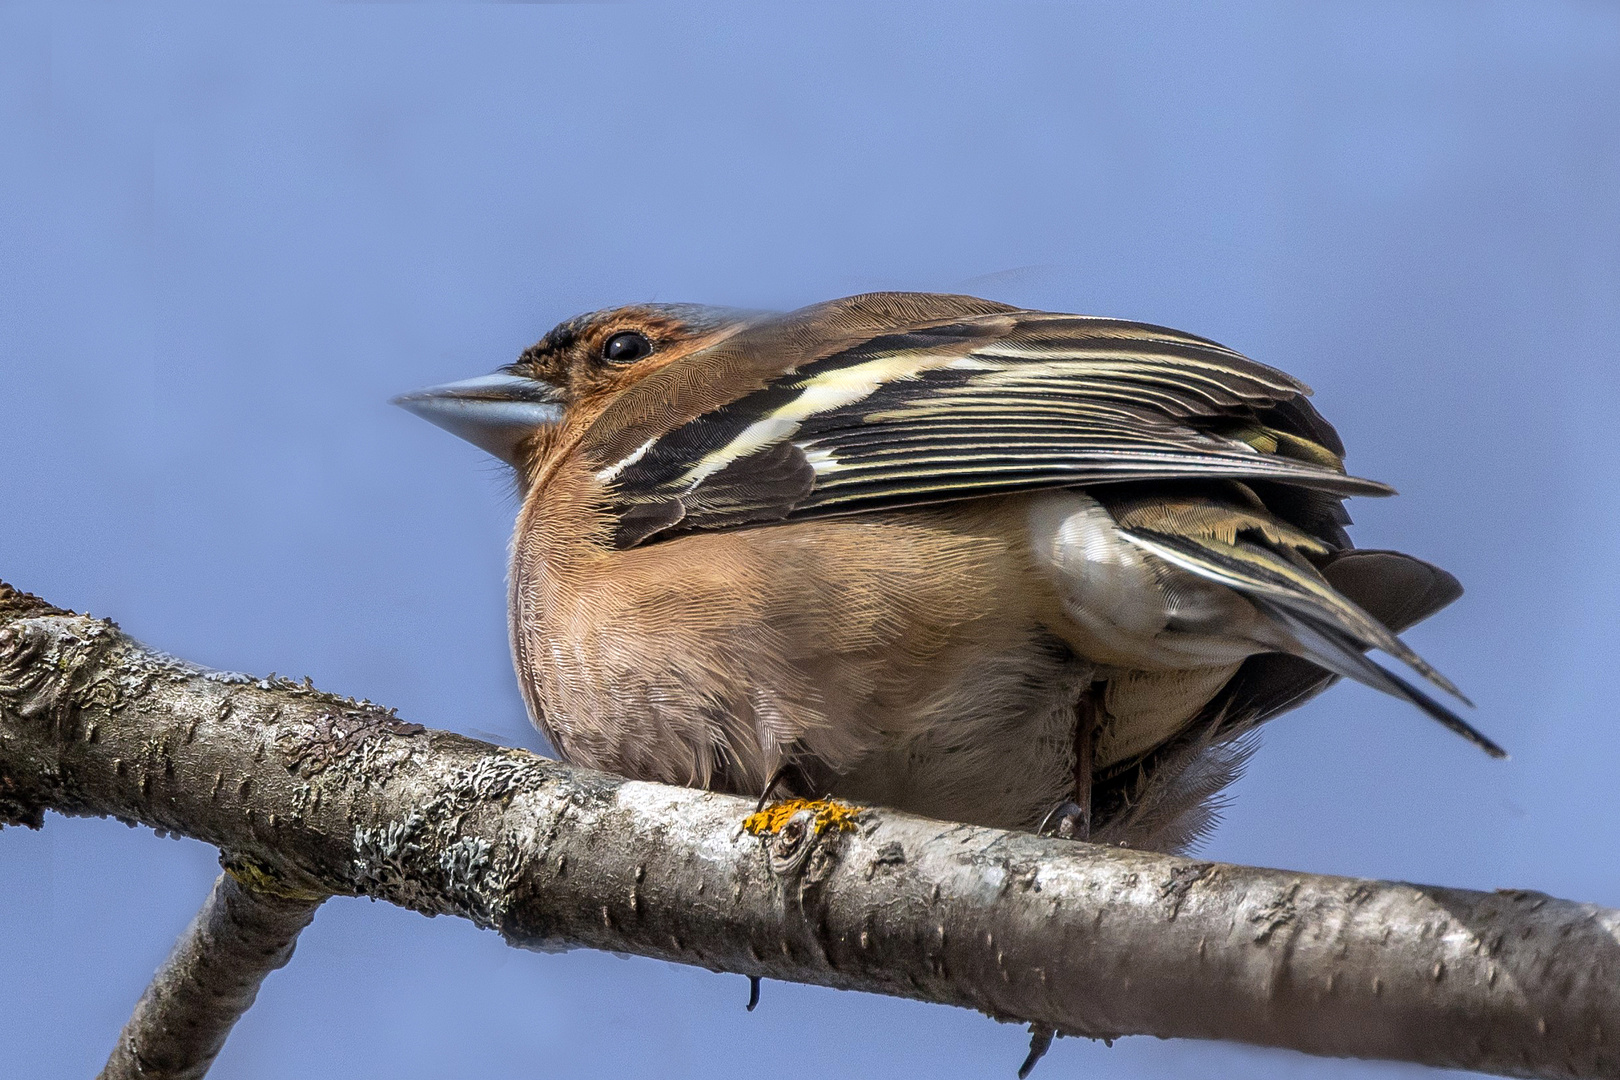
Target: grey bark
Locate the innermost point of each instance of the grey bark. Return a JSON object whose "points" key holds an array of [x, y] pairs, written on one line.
{"points": [[308, 793], [210, 979]]}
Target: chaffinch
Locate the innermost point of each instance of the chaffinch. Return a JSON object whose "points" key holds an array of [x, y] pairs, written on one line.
{"points": [[968, 560]]}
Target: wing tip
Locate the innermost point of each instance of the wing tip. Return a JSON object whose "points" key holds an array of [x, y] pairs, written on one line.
{"points": [[1447, 718], [1376, 488], [1492, 748]]}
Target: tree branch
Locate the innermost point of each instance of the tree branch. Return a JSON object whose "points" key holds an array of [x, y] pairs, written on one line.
{"points": [[180, 1024], [311, 793]]}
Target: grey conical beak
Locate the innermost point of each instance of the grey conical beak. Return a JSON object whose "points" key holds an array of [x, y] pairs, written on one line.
{"points": [[493, 412]]}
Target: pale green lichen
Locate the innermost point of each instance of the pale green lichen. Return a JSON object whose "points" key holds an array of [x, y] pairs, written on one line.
{"points": [[470, 875]]}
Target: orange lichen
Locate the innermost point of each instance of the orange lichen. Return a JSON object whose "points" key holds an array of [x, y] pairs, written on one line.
{"points": [[829, 814]]}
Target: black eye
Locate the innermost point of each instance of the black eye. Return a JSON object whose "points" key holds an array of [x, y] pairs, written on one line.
{"points": [[625, 347]]}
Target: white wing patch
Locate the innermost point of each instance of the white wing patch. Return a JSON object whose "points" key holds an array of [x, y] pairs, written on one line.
{"points": [[822, 393], [822, 460], [612, 471]]}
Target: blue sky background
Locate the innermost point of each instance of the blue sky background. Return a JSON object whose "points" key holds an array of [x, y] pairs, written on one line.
{"points": [[228, 235]]}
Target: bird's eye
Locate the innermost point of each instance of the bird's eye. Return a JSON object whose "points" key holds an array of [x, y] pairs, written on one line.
{"points": [[625, 347]]}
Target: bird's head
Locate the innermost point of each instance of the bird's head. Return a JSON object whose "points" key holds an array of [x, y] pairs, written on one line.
{"points": [[564, 381]]}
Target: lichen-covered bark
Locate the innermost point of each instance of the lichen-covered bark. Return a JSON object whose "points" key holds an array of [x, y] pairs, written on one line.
{"points": [[210, 979], [314, 794]]}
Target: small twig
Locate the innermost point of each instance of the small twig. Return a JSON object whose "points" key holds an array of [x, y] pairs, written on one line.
{"points": [[209, 980]]}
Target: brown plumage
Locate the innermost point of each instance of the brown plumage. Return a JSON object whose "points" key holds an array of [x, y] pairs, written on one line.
{"points": [[930, 551]]}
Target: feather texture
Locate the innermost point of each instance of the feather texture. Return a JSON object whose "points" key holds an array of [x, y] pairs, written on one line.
{"points": [[982, 404]]}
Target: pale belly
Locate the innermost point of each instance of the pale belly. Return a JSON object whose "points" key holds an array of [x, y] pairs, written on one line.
{"points": [[1001, 754], [1011, 759], [925, 660]]}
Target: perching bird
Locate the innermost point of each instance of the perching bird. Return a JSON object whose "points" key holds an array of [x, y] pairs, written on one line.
{"points": [[934, 552]]}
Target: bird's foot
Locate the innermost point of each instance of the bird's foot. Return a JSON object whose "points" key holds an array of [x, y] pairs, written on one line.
{"points": [[1068, 820]]}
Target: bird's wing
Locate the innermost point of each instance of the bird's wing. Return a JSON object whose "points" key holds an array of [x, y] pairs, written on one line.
{"points": [[901, 399]]}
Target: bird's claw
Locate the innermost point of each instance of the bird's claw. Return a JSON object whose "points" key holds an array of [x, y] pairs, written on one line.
{"points": [[1068, 820]]}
